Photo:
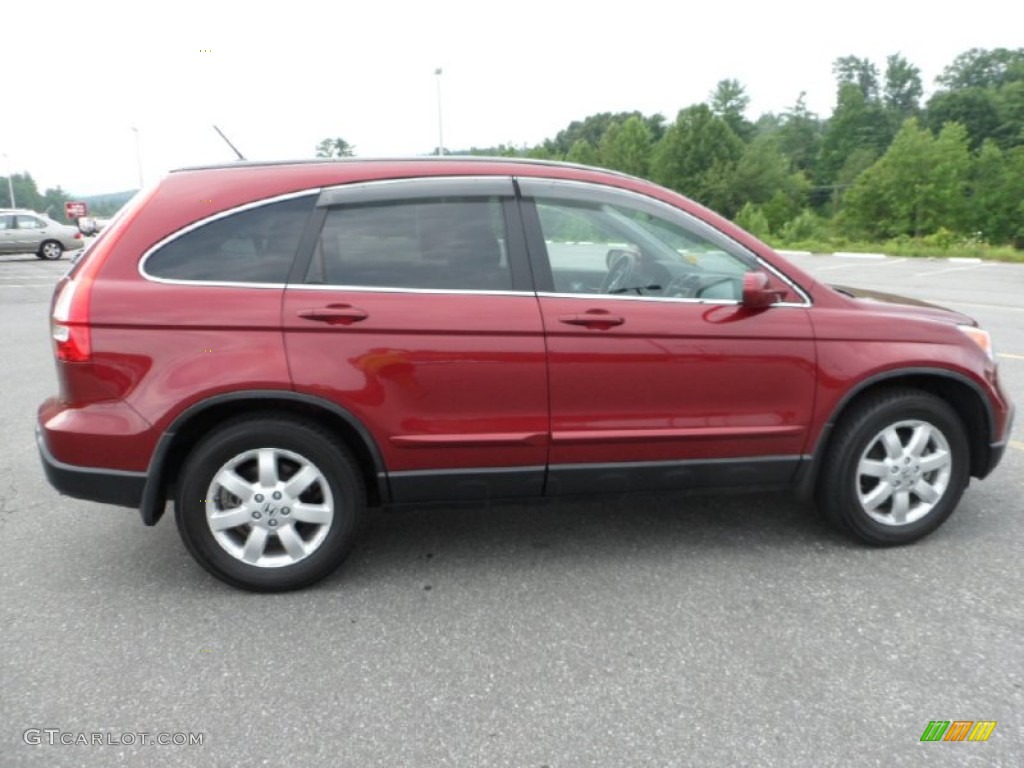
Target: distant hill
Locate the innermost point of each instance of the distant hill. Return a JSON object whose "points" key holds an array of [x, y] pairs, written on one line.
{"points": [[106, 204]]}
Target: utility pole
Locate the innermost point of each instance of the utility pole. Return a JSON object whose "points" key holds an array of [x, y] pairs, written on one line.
{"points": [[440, 122], [10, 182]]}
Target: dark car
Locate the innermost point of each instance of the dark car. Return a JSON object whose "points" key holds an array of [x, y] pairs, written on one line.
{"points": [[278, 347]]}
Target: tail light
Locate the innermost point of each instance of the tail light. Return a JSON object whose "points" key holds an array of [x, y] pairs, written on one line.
{"points": [[69, 318], [69, 323]]}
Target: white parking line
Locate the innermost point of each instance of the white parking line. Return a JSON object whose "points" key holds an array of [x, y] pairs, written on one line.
{"points": [[954, 269], [851, 255], [855, 265], [1010, 356]]}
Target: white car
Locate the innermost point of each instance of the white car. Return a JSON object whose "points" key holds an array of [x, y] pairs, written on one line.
{"points": [[24, 231]]}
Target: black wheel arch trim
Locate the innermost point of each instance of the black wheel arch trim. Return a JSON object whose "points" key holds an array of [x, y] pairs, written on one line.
{"points": [[153, 495], [808, 472]]}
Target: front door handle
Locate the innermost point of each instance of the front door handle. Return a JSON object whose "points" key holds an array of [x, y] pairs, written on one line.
{"points": [[335, 314], [599, 319]]}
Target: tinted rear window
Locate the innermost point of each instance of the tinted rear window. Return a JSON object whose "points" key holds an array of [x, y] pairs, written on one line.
{"points": [[444, 244], [253, 246]]}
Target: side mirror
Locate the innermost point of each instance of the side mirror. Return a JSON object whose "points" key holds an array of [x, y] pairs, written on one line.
{"points": [[757, 291]]}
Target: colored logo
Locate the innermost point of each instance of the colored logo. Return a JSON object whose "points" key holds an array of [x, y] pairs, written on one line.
{"points": [[958, 730]]}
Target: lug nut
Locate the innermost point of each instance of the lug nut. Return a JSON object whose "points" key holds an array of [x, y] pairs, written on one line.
{"points": [[277, 495], [272, 522], [256, 515], [259, 498], [285, 511]]}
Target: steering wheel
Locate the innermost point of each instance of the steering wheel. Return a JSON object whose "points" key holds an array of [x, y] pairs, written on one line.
{"points": [[620, 274]]}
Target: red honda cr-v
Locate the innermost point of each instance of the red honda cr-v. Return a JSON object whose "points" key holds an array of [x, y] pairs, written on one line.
{"points": [[277, 347]]}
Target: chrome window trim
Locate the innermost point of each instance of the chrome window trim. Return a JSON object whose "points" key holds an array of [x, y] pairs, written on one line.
{"points": [[377, 289], [674, 299], [208, 220], [418, 188], [531, 187]]}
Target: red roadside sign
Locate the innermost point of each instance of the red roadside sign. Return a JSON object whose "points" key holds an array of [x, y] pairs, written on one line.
{"points": [[74, 210]]}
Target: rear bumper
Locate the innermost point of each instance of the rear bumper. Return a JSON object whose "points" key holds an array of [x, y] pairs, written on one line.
{"points": [[108, 486]]}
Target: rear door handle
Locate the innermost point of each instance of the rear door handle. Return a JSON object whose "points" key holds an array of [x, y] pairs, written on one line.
{"points": [[598, 319], [335, 314]]}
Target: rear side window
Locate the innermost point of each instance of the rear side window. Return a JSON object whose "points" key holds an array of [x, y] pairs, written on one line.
{"points": [[256, 245], [439, 244]]}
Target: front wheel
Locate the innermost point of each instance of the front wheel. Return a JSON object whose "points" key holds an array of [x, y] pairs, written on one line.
{"points": [[269, 503], [50, 250], [896, 468]]}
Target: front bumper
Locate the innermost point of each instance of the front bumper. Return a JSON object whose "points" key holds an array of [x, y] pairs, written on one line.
{"points": [[996, 450]]}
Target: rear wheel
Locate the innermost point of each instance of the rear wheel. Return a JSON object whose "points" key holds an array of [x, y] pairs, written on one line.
{"points": [[51, 250], [896, 468], [269, 503]]}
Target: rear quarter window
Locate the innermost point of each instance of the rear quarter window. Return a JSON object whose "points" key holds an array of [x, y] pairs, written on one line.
{"points": [[256, 245]]}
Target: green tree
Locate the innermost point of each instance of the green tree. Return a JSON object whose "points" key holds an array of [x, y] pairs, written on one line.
{"points": [[981, 68], [903, 89], [760, 175], [627, 147], [996, 194], [984, 91], [696, 154], [593, 128], [337, 147], [799, 136], [916, 187], [752, 219], [850, 70], [972, 107], [857, 123], [729, 101], [583, 152]]}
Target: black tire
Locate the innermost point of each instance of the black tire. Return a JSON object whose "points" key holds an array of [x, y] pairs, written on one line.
{"points": [[50, 250], [291, 444], [861, 436]]}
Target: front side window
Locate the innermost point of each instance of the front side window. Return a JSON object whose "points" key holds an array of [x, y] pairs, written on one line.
{"points": [[604, 248], [6, 222], [256, 245], [435, 244]]}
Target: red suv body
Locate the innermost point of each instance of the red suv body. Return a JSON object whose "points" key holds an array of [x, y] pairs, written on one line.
{"points": [[276, 347]]}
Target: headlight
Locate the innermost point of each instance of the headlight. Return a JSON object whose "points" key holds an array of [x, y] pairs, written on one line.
{"points": [[979, 337]]}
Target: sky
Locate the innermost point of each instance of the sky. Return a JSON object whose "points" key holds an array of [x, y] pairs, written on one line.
{"points": [[96, 86]]}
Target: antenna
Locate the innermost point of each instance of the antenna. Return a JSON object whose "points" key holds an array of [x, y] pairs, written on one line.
{"points": [[226, 139]]}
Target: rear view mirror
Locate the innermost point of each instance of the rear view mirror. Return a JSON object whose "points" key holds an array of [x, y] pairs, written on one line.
{"points": [[757, 291]]}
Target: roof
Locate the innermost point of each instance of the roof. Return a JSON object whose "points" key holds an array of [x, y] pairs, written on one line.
{"points": [[513, 161]]}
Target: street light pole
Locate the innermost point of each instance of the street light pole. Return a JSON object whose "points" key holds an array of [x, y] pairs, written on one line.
{"points": [[10, 181], [138, 154], [440, 122]]}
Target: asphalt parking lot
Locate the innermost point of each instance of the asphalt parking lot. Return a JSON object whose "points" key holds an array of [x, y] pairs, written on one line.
{"points": [[661, 631]]}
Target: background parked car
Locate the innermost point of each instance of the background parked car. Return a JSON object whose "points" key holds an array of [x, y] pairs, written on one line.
{"points": [[91, 225], [24, 231]]}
